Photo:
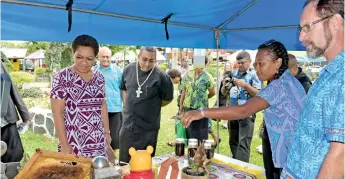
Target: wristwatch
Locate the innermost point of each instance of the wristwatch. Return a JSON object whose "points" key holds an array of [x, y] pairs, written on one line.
{"points": [[202, 112]]}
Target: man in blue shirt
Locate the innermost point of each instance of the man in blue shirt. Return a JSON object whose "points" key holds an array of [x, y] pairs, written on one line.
{"points": [[247, 85], [112, 75], [317, 148]]}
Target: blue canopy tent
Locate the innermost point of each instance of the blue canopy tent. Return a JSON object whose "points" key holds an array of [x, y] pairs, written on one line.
{"points": [[194, 24], [214, 24]]}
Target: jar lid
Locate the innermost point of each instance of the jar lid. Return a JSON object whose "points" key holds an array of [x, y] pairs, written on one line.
{"points": [[179, 140], [207, 145], [209, 141], [193, 140]]}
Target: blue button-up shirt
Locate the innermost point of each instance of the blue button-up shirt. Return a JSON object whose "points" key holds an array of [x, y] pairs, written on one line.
{"points": [[322, 122], [112, 76], [285, 96], [239, 95]]}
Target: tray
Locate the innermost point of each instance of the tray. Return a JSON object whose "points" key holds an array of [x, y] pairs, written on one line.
{"points": [[45, 158]]}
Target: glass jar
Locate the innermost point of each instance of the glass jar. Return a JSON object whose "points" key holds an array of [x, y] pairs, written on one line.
{"points": [[179, 147], [192, 147], [213, 146], [208, 150]]}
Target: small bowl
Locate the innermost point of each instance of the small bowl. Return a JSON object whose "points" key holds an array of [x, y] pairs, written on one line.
{"points": [[100, 162]]}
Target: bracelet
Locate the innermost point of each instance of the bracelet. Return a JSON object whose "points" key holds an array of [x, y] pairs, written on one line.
{"points": [[106, 132], [202, 112]]}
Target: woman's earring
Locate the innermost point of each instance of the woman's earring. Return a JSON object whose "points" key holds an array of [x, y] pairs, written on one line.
{"points": [[277, 74]]}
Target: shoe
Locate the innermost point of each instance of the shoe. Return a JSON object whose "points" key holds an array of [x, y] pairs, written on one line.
{"points": [[219, 140], [171, 144]]}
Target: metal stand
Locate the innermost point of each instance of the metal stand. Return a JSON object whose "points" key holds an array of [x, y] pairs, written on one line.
{"points": [[217, 86]]}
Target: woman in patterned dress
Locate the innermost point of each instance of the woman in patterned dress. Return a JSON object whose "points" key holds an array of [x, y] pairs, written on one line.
{"points": [[78, 103]]}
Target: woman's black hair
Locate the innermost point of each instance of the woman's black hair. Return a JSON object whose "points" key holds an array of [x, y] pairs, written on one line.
{"points": [[87, 41], [173, 73], [277, 50]]}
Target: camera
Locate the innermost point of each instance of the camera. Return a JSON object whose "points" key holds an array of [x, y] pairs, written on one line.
{"points": [[228, 81]]}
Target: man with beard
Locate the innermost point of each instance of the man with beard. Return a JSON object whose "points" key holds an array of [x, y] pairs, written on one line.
{"points": [[317, 149], [145, 89], [298, 73]]}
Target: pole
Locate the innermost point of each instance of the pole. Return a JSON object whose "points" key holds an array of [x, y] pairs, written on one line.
{"points": [[217, 71]]}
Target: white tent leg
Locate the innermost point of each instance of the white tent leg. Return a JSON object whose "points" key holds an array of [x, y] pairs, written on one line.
{"points": [[217, 84]]}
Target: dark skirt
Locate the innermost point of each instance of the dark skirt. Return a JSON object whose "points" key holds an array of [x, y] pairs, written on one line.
{"points": [[15, 151], [115, 123], [197, 129]]}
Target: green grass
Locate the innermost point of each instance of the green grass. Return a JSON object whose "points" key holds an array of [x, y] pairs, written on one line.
{"points": [[32, 141]]}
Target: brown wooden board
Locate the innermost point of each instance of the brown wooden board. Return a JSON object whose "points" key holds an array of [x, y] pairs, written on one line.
{"points": [[48, 158]]}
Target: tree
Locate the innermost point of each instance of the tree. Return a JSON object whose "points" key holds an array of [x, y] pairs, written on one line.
{"points": [[34, 46], [66, 56], [7, 63], [7, 44], [121, 48], [57, 56]]}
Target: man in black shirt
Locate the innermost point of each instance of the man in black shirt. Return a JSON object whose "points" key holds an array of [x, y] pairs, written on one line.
{"points": [[298, 73], [145, 89]]}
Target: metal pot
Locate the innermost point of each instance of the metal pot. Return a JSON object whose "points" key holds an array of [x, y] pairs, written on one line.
{"points": [[100, 162]]}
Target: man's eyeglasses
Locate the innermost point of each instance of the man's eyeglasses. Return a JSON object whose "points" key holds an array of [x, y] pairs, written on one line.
{"points": [[307, 27]]}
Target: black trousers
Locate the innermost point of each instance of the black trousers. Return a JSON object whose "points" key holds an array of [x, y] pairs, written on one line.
{"points": [[15, 151], [137, 140], [197, 129], [115, 123], [271, 171], [241, 134]]}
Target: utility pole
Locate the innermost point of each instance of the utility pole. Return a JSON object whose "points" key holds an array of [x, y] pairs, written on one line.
{"points": [[175, 57]]}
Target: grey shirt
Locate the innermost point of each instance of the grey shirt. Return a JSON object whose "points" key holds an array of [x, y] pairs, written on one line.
{"points": [[143, 113]]}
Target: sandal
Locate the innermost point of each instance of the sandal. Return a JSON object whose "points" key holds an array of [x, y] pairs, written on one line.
{"points": [[219, 140], [171, 144]]}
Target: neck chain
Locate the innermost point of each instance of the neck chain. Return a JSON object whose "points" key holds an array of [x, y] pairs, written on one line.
{"points": [[139, 86]]}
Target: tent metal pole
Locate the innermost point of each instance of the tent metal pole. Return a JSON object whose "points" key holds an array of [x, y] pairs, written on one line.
{"points": [[261, 28], [217, 84], [237, 14], [108, 14]]}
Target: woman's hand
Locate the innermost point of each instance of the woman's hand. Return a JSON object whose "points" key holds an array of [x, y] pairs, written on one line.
{"points": [[188, 117], [66, 149], [108, 138]]}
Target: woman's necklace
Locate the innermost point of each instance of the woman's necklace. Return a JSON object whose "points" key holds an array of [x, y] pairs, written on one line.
{"points": [[138, 91]]}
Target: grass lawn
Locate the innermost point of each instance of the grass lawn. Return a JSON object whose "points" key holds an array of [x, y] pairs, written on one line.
{"points": [[32, 141]]}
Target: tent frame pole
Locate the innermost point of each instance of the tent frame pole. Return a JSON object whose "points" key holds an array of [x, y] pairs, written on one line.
{"points": [[260, 28], [217, 86], [237, 14]]}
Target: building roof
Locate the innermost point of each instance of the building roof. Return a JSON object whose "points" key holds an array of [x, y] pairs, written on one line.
{"points": [[14, 52], [39, 54]]}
